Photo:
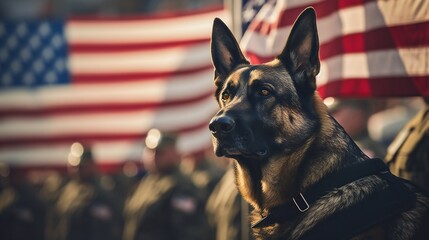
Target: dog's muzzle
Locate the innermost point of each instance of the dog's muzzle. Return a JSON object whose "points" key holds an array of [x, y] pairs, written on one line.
{"points": [[232, 141], [221, 125]]}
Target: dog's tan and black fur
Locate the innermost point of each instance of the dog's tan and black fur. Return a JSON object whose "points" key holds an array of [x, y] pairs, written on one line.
{"points": [[274, 124]]}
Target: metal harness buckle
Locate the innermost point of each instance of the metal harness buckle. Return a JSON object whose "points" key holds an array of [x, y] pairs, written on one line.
{"points": [[305, 201]]}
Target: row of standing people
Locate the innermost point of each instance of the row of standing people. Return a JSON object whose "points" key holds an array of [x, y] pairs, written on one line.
{"points": [[175, 198]]}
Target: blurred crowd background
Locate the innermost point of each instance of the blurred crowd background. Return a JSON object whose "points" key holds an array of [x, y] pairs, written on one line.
{"points": [[167, 195]]}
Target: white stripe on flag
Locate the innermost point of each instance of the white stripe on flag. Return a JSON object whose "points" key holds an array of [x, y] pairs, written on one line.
{"points": [[161, 60], [143, 30], [168, 119]]}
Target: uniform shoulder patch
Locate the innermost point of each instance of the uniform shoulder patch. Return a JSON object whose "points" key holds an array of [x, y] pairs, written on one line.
{"points": [[184, 203], [101, 211]]}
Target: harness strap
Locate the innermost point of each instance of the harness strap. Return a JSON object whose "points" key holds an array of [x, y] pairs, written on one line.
{"points": [[380, 206], [302, 202]]}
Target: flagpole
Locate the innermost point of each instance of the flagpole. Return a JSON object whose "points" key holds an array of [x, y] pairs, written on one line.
{"points": [[235, 8]]}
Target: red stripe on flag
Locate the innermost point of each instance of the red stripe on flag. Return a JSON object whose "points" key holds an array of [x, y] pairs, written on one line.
{"points": [[130, 77], [411, 35], [100, 108], [373, 87]]}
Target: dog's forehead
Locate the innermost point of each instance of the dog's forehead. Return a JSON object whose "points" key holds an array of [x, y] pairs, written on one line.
{"points": [[266, 72], [240, 75], [263, 72]]}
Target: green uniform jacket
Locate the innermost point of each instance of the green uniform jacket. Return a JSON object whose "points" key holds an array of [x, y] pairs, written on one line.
{"points": [[408, 154], [83, 211], [164, 206]]}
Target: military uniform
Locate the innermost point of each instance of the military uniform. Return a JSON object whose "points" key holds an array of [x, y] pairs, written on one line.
{"points": [[21, 213], [83, 208], [204, 175], [83, 211], [227, 211], [164, 206], [408, 155]]}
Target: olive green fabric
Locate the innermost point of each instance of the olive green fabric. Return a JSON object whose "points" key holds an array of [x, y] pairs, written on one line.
{"points": [[21, 213], [408, 155], [204, 175], [83, 210], [224, 210], [164, 206]]}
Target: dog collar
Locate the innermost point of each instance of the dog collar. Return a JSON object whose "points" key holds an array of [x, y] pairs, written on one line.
{"points": [[302, 202]]}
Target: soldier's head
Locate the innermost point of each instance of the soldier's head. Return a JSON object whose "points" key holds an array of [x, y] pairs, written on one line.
{"points": [[81, 162], [160, 153]]}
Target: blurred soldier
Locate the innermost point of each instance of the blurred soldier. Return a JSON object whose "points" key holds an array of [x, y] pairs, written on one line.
{"points": [[84, 210], [408, 154], [21, 212], [165, 204], [353, 115], [51, 188], [125, 181], [227, 211], [203, 173]]}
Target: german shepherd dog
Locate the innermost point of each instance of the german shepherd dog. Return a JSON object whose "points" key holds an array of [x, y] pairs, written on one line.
{"points": [[293, 162]]}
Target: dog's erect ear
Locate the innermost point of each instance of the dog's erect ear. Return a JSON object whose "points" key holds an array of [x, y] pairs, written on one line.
{"points": [[301, 54], [225, 51]]}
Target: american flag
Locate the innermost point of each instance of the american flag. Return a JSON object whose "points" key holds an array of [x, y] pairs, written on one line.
{"points": [[368, 48], [104, 81]]}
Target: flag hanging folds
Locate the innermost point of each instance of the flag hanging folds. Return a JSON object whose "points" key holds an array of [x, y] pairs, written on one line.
{"points": [[104, 82], [368, 48]]}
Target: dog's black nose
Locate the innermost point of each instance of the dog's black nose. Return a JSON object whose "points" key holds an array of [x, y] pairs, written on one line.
{"points": [[222, 124]]}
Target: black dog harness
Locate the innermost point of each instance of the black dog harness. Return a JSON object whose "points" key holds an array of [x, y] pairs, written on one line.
{"points": [[396, 198]]}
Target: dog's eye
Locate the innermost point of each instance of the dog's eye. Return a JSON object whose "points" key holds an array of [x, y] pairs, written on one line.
{"points": [[264, 92], [225, 96]]}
